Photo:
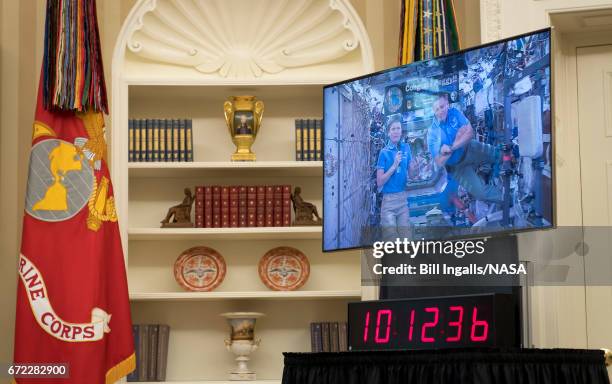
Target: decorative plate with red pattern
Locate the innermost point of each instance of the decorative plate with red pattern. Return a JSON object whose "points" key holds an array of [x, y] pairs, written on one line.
{"points": [[284, 269], [199, 269]]}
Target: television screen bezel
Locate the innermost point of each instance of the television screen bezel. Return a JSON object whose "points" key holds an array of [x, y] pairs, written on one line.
{"points": [[504, 232]]}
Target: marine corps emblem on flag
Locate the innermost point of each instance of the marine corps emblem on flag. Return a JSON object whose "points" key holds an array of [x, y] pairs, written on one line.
{"points": [[61, 179]]}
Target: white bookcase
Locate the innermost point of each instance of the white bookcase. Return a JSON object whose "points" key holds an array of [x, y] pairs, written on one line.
{"points": [[163, 67]]}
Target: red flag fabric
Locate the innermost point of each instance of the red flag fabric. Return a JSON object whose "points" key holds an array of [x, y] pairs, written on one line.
{"points": [[72, 298]]}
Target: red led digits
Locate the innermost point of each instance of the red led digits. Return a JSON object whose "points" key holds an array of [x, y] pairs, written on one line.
{"points": [[439, 328], [367, 326], [429, 324], [380, 314], [411, 330], [458, 323], [438, 322], [477, 324]]}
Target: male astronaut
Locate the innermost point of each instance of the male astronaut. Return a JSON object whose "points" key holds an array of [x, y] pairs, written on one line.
{"points": [[452, 144]]}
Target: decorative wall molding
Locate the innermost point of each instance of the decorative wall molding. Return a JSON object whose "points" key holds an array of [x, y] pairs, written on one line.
{"points": [[245, 39], [607, 83], [490, 19]]}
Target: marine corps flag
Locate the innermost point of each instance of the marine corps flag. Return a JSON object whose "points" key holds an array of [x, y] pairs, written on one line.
{"points": [[72, 300]]}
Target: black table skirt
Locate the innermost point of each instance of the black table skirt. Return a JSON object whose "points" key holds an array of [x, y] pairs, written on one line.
{"points": [[483, 366]]}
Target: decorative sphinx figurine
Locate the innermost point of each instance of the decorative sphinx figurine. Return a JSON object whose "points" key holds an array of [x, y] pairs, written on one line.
{"points": [[304, 211], [179, 216]]}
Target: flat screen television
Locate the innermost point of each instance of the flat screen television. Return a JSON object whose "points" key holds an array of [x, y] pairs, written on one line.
{"points": [[456, 146]]}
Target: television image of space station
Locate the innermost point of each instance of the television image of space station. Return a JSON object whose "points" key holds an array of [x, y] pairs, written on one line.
{"points": [[454, 146]]}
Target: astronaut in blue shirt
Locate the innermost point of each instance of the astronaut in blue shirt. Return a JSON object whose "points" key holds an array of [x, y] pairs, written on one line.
{"points": [[452, 145], [391, 178]]}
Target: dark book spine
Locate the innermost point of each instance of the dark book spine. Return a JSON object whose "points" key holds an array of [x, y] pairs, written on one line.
{"points": [[325, 337], [155, 140], [278, 206], [251, 206], [242, 206], [315, 337], [298, 140], [152, 366], [199, 207], [208, 205], [334, 337], [312, 143], [260, 209], [162, 352], [162, 140], [233, 207], [305, 139], [169, 141], [286, 206], [182, 146], [216, 206], [175, 140], [269, 210], [130, 140], [342, 337], [137, 140], [133, 376], [319, 142], [188, 140], [149, 145], [143, 338]]}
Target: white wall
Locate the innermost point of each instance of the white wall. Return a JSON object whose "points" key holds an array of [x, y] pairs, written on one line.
{"points": [[503, 18], [560, 315]]}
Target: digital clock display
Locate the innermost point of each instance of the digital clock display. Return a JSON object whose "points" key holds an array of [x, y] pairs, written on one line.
{"points": [[440, 322]]}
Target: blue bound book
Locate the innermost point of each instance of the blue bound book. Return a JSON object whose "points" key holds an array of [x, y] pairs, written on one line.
{"points": [[175, 140], [130, 140], [305, 132], [182, 146], [149, 146], [189, 140]]}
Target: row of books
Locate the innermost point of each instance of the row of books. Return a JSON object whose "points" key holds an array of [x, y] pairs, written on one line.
{"points": [[151, 345], [243, 206], [166, 140], [328, 337], [308, 139]]}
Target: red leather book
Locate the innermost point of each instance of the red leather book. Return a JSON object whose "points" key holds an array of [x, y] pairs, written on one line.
{"points": [[260, 210], [216, 206], [208, 211], [233, 207], [242, 206], [286, 205], [269, 206], [278, 205], [251, 206], [199, 207], [225, 221]]}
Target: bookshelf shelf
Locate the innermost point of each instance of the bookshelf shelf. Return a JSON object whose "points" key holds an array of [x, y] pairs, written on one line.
{"points": [[247, 295], [251, 233], [221, 168]]}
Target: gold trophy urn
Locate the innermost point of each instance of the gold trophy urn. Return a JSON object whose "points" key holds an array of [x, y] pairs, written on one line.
{"points": [[243, 117]]}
